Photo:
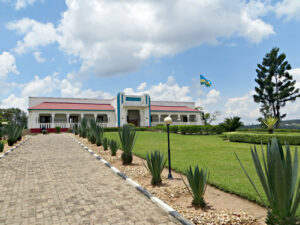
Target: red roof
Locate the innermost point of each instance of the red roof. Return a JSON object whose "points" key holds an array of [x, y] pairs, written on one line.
{"points": [[172, 108], [72, 106]]}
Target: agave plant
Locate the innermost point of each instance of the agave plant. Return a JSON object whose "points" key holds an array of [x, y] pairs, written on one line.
{"points": [[114, 146], [76, 129], [14, 133], [79, 131], [105, 143], [278, 176], [270, 122], [197, 184], [83, 127], [155, 164], [127, 137], [97, 132]]}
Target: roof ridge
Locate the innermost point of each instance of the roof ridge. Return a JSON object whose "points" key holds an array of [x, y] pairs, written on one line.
{"points": [[78, 103]]}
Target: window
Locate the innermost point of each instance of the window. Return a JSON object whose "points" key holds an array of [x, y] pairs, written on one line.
{"points": [[102, 118]]}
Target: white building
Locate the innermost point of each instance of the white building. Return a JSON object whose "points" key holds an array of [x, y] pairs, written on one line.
{"points": [[123, 109]]}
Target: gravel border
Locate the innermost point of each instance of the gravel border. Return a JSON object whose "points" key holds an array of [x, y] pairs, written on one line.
{"points": [[138, 187], [15, 147]]}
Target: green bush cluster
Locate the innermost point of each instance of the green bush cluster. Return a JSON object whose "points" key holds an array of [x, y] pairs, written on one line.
{"points": [[258, 138], [57, 129]]}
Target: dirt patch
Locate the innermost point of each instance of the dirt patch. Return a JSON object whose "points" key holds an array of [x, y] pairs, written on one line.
{"points": [[223, 208]]}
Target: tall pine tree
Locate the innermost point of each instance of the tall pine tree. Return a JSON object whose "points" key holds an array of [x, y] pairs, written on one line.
{"points": [[275, 86]]}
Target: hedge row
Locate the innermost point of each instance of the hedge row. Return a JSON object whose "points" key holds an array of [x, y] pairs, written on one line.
{"points": [[114, 129], [258, 138], [266, 130], [182, 129], [191, 129]]}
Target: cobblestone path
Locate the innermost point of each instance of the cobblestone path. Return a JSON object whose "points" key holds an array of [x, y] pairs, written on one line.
{"points": [[52, 180]]}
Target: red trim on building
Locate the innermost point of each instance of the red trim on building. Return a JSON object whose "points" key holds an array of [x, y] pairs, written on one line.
{"points": [[172, 108], [72, 106], [50, 130]]}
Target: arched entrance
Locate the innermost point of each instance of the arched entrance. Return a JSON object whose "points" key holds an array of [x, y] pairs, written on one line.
{"points": [[133, 116]]}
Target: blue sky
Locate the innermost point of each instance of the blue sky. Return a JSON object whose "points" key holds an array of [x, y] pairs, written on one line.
{"points": [[98, 48]]}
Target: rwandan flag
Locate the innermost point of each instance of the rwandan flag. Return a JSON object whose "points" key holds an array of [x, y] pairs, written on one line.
{"points": [[204, 81]]}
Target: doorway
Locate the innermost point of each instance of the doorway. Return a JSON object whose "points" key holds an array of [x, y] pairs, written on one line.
{"points": [[133, 116]]}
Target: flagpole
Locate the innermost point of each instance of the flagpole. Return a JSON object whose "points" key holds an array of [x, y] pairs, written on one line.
{"points": [[201, 95]]}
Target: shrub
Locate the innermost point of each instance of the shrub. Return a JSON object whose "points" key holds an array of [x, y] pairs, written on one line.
{"points": [[174, 129], [258, 138], [155, 164], [57, 129], [44, 132], [105, 144], [197, 185], [278, 176], [183, 129], [127, 137], [232, 123], [111, 129], [1, 146], [114, 146]]}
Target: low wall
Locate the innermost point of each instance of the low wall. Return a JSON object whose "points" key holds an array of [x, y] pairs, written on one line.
{"points": [[50, 130]]}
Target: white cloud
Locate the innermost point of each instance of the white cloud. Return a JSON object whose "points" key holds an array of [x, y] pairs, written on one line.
{"points": [[38, 57], [35, 34], [24, 3], [40, 86], [244, 106], [289, 9], [142, 86], [139, 30], [170, 91], [7, 64], [212, 97], [14, 102], [73, 89]]}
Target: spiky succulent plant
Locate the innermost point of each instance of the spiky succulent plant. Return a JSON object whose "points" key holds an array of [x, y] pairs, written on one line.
{"points": [[105, 144], [114, 146], [278, 175], [155, 164], [197, 184], [127, 137]]}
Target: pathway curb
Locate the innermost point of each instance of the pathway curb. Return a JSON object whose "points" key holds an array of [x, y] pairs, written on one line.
{"points": [[15, 147], [138, 187]]}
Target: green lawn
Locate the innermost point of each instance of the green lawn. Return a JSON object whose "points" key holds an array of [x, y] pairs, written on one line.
{"points": [[206, 151]]}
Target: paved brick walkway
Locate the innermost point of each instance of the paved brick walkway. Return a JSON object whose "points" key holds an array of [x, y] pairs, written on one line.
{"points": [[52, 180]]}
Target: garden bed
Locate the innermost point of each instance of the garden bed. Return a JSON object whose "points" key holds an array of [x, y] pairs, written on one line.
{"points": [[258, 138], [7, 147], [223, 208]]}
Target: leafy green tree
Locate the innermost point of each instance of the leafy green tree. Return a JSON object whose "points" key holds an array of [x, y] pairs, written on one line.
{"points": [[275, 85], [232, 123], [14, 115]]}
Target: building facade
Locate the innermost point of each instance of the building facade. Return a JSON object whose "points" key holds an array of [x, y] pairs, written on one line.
{"points": [[123, 109]]}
